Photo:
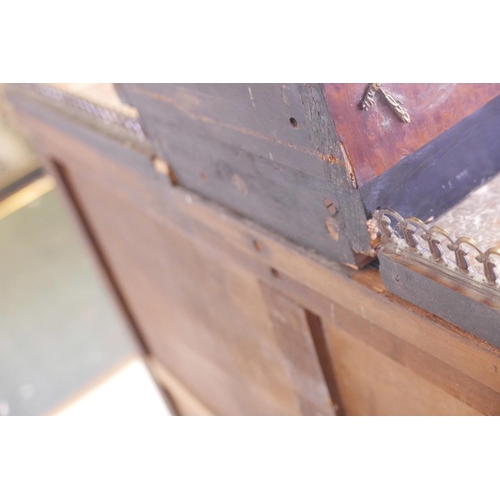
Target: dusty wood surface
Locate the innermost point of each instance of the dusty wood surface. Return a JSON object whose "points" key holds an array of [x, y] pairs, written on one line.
{"points": [[190, 272]]}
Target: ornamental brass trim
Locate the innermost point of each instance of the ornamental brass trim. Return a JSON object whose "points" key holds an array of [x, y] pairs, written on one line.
{"points": [[414, 237], [397, 106], [111, 122]]}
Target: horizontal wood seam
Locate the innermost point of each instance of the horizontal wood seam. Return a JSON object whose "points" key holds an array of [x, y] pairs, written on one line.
{"points": [[454, 382]]}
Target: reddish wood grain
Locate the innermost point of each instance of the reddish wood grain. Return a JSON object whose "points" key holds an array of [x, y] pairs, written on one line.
{"points": [[375, 140]]}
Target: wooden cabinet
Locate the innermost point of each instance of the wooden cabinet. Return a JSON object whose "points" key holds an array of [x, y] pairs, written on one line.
{"points": [[233, 318], [201, 315], [306, 161]]}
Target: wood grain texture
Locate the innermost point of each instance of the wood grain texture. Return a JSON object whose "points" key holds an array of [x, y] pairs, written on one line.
{"points": [[389, 357], [420, 362], [414, 342], [372, 383], [200, 315], [376, 139], [292, 329], [267, 151], [213, 340]]}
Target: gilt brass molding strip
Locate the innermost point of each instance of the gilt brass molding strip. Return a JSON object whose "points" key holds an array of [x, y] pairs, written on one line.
{"points": [[103, 113], [397, 106], [110, 121], [413, 237]]}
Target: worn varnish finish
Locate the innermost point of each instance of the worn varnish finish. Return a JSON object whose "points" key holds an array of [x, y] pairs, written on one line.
{"points": [[200, 283], [376, 139]]}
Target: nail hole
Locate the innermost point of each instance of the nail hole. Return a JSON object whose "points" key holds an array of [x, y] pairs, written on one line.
{"points": [[330, 206], [275, 273], [293, 122], [257, 246]]}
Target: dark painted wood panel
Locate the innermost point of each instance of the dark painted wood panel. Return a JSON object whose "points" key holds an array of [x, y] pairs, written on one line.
{"points": [[286, 200], [263, 111], [462, 306], [239, 147]]}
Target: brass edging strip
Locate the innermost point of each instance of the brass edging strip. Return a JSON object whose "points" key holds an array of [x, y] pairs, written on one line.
{"points": [[416, 239]]}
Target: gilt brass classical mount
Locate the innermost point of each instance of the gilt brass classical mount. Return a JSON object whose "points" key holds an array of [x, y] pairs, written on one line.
{"points": [[408, 234], [397, 106]]}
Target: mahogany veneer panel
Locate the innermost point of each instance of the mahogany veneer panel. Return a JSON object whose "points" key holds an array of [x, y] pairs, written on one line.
{"points": [[375, 140]]}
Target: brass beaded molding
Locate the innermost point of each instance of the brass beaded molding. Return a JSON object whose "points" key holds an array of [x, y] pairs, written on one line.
{"points": [[107, 115], [414, 235]]}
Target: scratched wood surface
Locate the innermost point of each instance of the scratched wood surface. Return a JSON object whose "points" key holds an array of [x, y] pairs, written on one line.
{"points": [[376, 139], [192, 273]]}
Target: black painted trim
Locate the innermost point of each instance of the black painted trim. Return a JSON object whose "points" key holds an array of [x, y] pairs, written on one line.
{"points": [[439, 175]]}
